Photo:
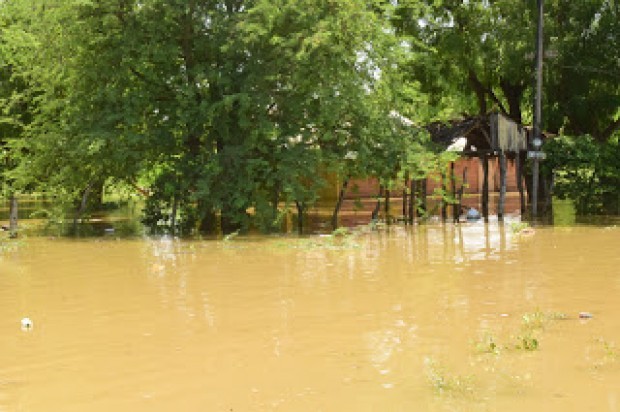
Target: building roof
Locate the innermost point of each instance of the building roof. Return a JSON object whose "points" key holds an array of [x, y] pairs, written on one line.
{"points": [[483, 133]]}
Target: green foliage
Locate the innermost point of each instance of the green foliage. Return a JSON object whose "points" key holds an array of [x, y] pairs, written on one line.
{"points": [[218, 108], [446, 383], [475, 56], [231, 236], [517, 227], [487, 344], [527, 343], [525, 339], [341, 232], [586, 172], [227, 113], [581, 85]]}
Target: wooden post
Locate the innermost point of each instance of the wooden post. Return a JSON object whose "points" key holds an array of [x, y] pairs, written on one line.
{"points": [[485, 187], [387, 206], [412, 199], [375, 212], [519, 167], [13, 216], [424, 199], [537, 112], [455, 206], [444, 189], [460, 194], [502, 186], [405, 198]]}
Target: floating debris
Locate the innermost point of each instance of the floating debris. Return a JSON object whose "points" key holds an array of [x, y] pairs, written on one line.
{"points": [[473, 215], [27, 324]]}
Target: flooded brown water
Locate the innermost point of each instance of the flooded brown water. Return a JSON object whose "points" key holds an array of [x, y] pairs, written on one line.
{"points": [[470, 318]]}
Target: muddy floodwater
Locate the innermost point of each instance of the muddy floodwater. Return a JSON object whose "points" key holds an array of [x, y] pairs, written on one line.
{"points": [[431, 318]]}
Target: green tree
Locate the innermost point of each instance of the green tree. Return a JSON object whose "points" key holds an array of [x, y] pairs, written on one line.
{"points": [[474, 56], [218, 107]]}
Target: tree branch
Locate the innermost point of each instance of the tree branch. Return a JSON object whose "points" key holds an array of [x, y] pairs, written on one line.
{"points": [[478, 85], [609, 130]]}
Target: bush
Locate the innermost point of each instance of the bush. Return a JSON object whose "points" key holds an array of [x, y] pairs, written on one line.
{"points": [[586, 172]]}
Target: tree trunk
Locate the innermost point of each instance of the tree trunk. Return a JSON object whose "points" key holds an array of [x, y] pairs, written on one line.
{"points": [[343, 189], [479, 91], [13, 216], [208, 222], [424, 206], [82, 207], [275, 200], [606, 133], [513, 94], [300, 217], [229, 223]]}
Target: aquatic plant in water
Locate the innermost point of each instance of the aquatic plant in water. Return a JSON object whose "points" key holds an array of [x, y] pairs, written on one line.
{"points": [[602, 353], [526, 338], [518, 227], [446, 383]]}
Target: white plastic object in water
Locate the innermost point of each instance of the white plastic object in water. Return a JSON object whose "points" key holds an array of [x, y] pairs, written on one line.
{"points": [[27, 324]]}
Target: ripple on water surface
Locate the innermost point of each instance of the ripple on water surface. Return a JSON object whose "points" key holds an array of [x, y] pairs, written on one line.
{"points": [[430, 318]]}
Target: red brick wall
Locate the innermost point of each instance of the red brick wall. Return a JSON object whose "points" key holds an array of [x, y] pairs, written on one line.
{"points": [[360, 197]]}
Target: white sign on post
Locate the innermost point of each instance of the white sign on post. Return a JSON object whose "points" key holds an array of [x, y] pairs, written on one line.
{"points": [[533, 154]]}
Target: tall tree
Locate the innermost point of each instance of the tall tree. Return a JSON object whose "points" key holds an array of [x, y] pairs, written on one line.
{"points": [[218, 106]]}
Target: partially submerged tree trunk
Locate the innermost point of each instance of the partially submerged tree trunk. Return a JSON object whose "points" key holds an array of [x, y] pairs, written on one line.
{"points": [[82, 206], [339, 203], [300, 217], [275, 204], [208, 222], [13, 216], [96, 196], [228, 216]]}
